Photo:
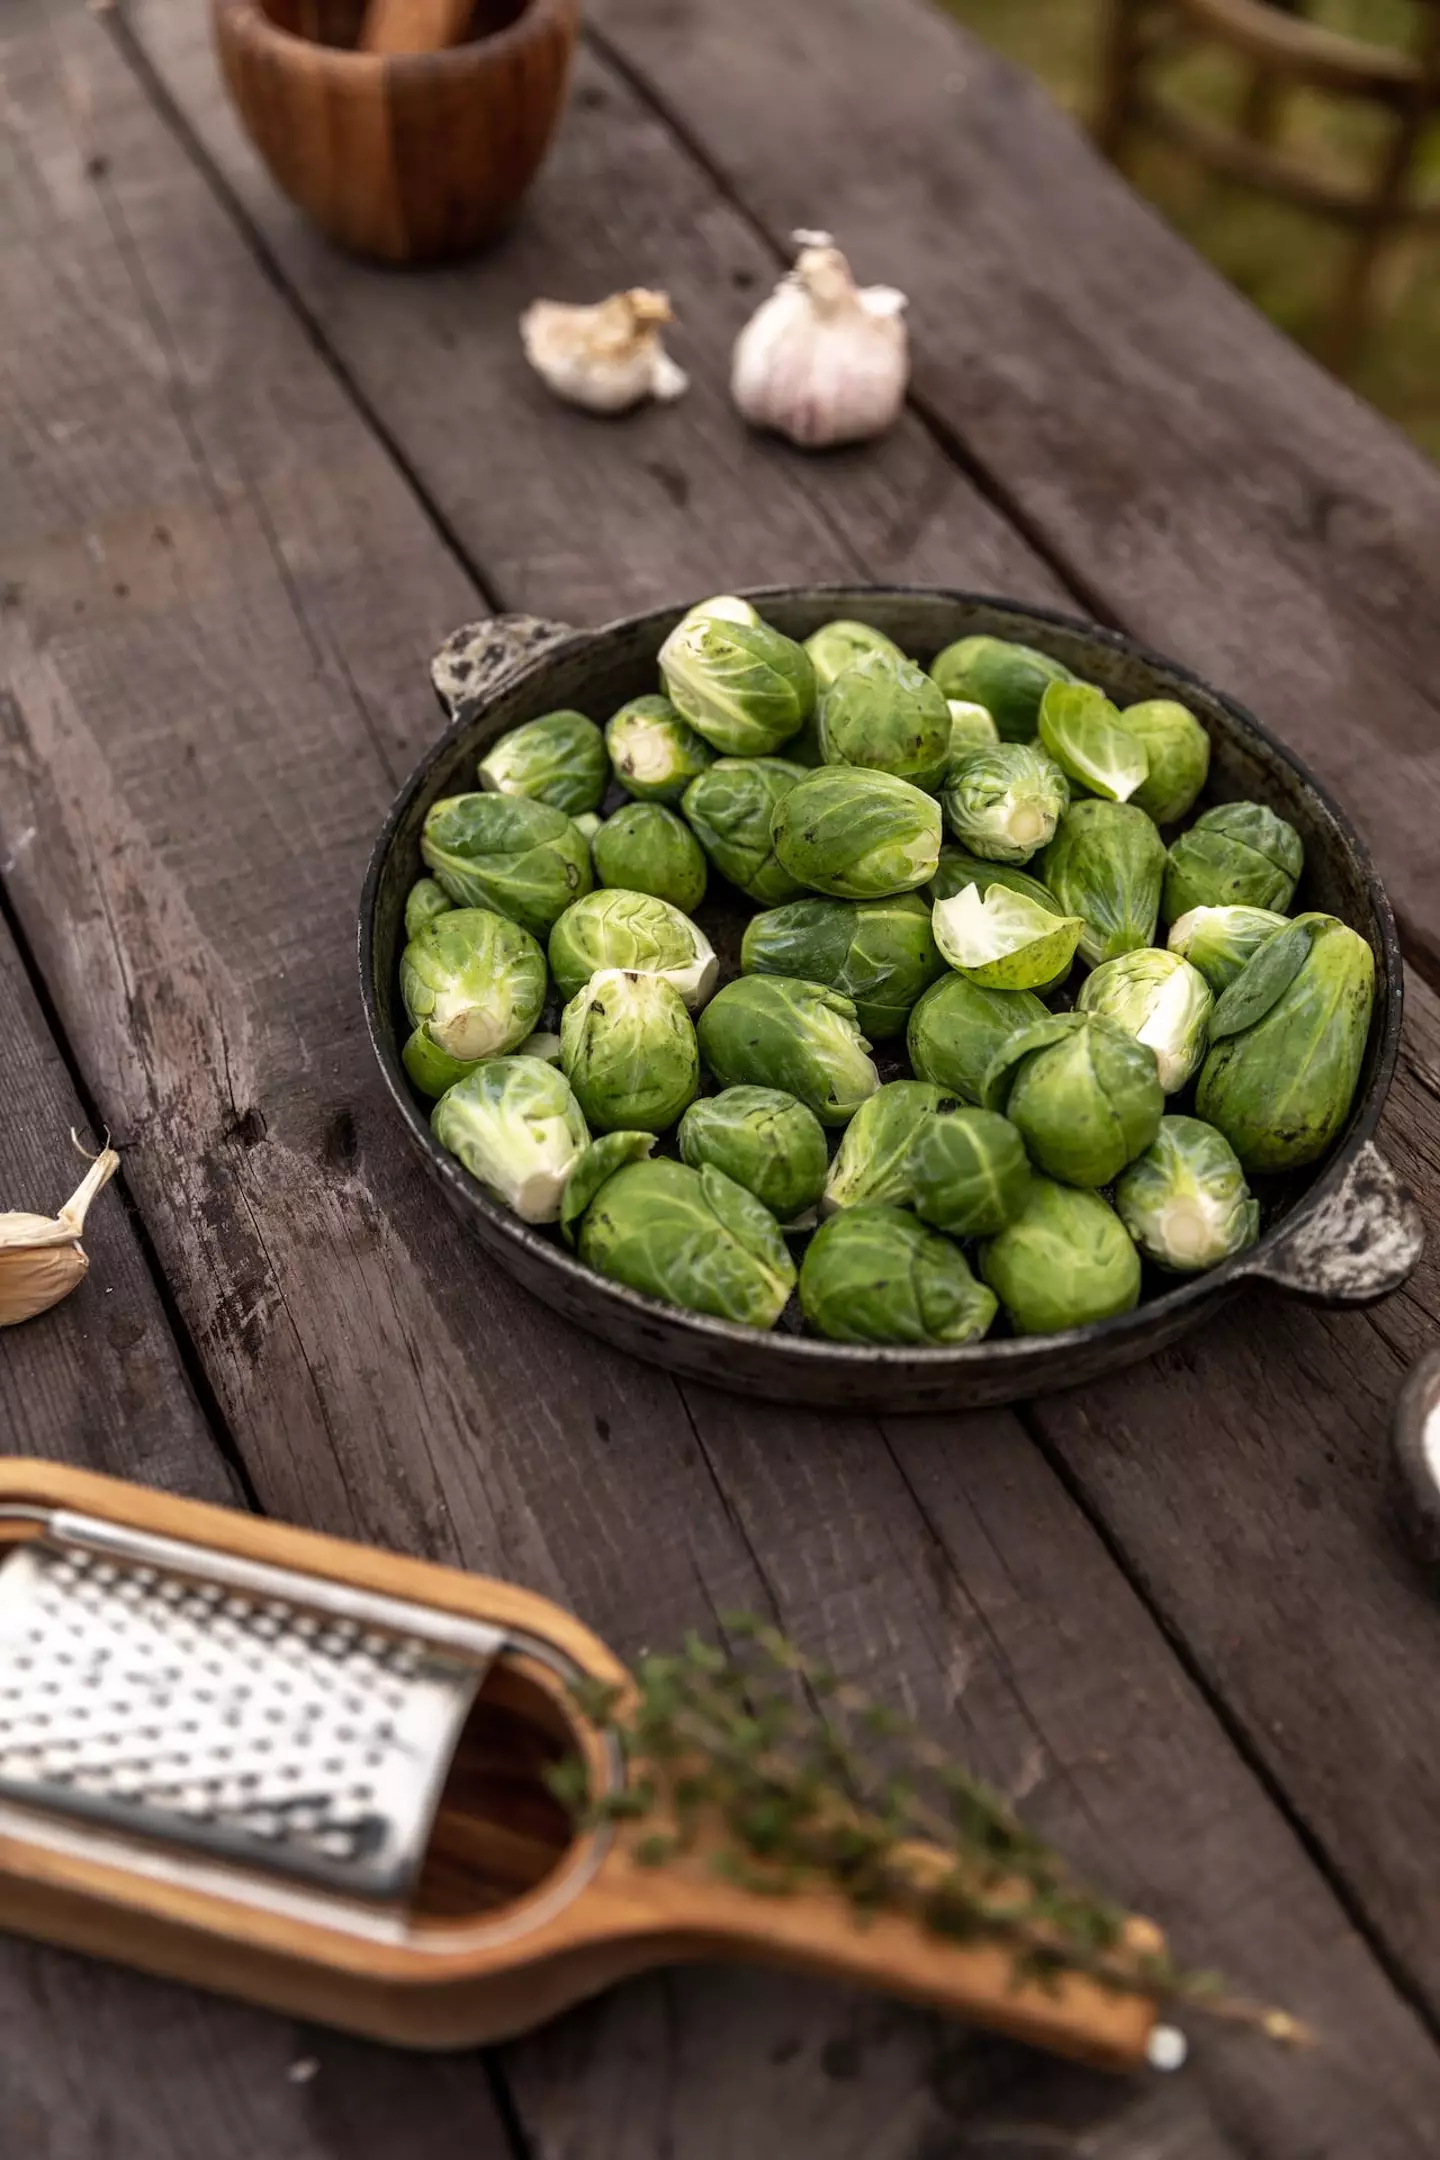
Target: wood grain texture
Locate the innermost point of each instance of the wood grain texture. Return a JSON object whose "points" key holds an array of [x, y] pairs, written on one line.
{"points": [[250, 712], [397, 150], [1198, 479]]}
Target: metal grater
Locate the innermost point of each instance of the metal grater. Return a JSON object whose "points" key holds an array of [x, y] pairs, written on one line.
{"points": [[237, 1710]]}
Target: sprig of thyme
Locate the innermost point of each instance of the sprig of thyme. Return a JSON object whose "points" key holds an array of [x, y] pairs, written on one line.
{"points": [[807, 1778]]}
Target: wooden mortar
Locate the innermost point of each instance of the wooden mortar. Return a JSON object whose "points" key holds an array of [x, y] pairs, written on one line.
{"points": [[403, 156]]}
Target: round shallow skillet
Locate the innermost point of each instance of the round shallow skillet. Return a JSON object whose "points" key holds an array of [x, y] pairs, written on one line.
{"points": [[1343, 1233]]}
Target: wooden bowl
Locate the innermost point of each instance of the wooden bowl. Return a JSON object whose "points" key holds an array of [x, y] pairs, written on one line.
{"points": [[405, 157]]}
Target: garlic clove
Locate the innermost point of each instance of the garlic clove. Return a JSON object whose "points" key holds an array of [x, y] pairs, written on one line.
{"points": [[823, 361], [606, 358], [41, 1258]]}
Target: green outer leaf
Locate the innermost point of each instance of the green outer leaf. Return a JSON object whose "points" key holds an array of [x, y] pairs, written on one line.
{"points": [[871, 1166], [431, 1069], [1281, 1091], [521, 859], [1065, 1261], [655, 753], [742, 686], [858, 835], [1000, 1072], [627, 1046], [1219, 941], [1106, 864], [600, 1161], [1236, 854], [730, 809], [1036, 946], [1008, 679], [765, 1140], [968, 1171], [636, 932], [837, 645], [876, 1275], [1265, 977], [879, 953], [1178, 750], [558, 759], [957, 1028], [765, 1031], [653, 1227], [426, 900], [646, 848], [1088, 1103], [884, 713], [1083, 732]]}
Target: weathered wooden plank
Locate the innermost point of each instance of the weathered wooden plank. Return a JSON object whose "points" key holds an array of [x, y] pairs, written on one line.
{"points": [[1198, 479], [567, 517], [425, 1403], [95, 2059]]}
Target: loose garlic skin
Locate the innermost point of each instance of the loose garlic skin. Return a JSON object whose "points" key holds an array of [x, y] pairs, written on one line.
{"points": [[605, 358], [41, 1258], [823, 361]]}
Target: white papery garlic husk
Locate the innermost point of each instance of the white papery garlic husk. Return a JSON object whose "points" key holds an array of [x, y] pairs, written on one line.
{"points": [[823, 360], [607, 357], [41, 1258]]}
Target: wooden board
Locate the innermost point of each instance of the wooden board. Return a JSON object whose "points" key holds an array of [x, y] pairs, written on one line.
{"points": [[1189, 473], [249, 713]]}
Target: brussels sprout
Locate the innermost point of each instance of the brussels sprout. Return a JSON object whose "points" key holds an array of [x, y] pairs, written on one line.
{"points": [[880, 953], [517, 1127], [542, 1044], [957, 869], [627, 1046], [588, 823], [1185, 1200], [425, 902], [1106, 864], [838, 645], [730, 808], [767, 1031], [885, 714], [765, 1140], [1008, 680], [1083, 732], [742, 686], [1005, 803], [432, 1069], [636, 933], [957, 1028], [1005, 940], [1159, 999], [858, 835], [1220, 940], [971, 728], [1238, 853], [600, 1161], [1288, 1040], [875, 1275], [1178, 751], [1085, 1096], [647, 849], [968, 1172], [559, 759], [691, 1238], [655, 753], [523, 859], [1066, 1260], [474, 981], [872, 1164], [723, 607]]}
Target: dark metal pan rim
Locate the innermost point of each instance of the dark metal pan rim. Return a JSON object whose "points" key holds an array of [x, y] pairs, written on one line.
{"points": [[991, 1354]]}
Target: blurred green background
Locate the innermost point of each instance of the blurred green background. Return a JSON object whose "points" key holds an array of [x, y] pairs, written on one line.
{"points": [[1287, 261]]}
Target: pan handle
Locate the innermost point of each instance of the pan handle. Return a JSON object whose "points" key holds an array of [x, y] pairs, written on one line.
{"points": [[475, 658], [1358, 1244]]}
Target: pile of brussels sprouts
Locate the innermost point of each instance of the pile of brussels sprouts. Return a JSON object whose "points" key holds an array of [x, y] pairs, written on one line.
{"points": [[1027, 1161]]}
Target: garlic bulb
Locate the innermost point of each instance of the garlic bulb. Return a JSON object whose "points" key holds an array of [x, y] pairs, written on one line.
{"points": [[608, 357], [823, 360], [41, 1260]]}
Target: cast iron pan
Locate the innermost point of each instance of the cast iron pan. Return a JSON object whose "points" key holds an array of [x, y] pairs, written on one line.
{"points": [[1344, 1233]]}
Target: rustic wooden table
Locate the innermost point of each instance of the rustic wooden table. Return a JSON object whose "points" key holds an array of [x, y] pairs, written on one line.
{"points": [[249, 487]]}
